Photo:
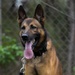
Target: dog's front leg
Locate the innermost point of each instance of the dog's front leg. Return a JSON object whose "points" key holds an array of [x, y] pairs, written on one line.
{"points": [[29, 69]]}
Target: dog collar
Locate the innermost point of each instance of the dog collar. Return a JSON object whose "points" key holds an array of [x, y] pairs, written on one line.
{"points": [[22, 70]]}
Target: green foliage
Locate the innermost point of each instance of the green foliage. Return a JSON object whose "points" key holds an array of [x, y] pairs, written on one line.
{"points": [[74, 70], [10, 51]]}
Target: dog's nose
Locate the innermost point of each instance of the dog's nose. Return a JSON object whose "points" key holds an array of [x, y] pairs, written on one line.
{"points": [[25, 37]]}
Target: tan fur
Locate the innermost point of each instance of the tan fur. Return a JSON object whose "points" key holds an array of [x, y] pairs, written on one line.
{"points": [[47, 64], [34, 22]]}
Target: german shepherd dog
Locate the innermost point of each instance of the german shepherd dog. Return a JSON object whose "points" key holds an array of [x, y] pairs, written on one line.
{"points": [[39, 53]]}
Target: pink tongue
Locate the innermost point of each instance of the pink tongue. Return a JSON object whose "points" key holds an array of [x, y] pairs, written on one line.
{"points": [[28, 53]]}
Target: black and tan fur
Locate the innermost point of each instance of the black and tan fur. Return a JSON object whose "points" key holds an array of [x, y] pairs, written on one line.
{"points": [[45, 61]]}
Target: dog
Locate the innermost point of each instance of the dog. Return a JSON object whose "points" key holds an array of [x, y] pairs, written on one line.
{"points": [[39, 52]]}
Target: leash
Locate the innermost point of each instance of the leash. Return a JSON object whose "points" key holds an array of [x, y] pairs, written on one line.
{"points": [[22, 70]]}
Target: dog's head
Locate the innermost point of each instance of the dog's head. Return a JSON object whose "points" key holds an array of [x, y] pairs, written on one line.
{"points": [[32, 32]]}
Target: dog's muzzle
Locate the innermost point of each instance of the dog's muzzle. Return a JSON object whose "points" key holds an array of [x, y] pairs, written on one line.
{"points": [[25, 37]]}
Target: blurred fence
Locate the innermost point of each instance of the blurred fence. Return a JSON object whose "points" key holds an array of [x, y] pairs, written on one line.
{"points": [[59, 22]]}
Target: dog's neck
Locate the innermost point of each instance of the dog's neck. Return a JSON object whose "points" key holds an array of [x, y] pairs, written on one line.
{"points": [[41, 49]]}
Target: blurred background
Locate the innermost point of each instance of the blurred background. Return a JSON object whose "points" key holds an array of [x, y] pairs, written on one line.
{"points": [[60, 22]]}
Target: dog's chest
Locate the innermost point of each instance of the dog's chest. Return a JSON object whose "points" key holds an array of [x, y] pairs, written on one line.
{"points": [[41, 65]]}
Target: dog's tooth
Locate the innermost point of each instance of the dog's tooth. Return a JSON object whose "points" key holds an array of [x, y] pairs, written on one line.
{"points": [[43, 53], [33, 40]]}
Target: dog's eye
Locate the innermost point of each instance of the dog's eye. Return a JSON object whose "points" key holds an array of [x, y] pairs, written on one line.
{"points": [[23, 27], [32, 27]]}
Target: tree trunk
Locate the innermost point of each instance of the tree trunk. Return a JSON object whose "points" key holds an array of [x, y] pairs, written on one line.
{"points": [[71, 35], [0, 26]]}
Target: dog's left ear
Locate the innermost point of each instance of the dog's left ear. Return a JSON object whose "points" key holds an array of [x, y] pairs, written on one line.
{"points": [[21, 14], [39, 14]]}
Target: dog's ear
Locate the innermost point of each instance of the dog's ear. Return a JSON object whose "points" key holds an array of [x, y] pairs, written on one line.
{"points": [[39, 14], [21, 14]]}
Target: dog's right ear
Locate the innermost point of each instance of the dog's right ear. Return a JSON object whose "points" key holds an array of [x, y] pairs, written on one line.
{"points": [[21, 14]]}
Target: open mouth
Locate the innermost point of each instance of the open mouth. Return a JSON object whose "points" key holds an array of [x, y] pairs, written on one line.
{"points": [[28, 52], [29, 47], [29, 43]]}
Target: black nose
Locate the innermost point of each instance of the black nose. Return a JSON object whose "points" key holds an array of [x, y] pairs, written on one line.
{"points": [[24, 37]]}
